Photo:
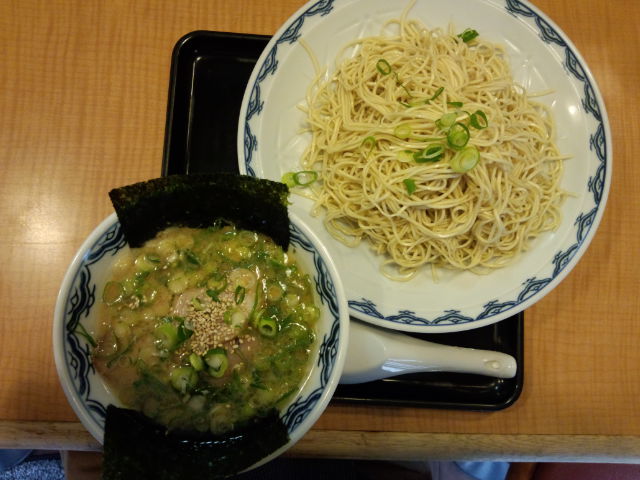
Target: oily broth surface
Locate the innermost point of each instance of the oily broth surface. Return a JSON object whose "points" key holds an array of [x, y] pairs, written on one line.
{"points": [[210, 293]]}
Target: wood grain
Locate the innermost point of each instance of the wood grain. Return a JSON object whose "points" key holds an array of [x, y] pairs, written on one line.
{"points": [[369, 445], [83, 95]]}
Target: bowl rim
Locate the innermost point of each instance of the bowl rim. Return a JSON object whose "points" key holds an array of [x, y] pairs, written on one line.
{"points": [[299, 430], [64, 376]]}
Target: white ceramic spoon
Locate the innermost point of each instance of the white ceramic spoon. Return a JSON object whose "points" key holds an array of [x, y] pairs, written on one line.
{"points": [[376, 353]]}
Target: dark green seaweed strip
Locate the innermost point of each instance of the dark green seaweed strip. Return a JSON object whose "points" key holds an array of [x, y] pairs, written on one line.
{"points": [[136, 448], [198, 201]]}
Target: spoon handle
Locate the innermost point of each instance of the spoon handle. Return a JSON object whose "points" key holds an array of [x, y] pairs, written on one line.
{"points": [[433, 357], [376, 353]]}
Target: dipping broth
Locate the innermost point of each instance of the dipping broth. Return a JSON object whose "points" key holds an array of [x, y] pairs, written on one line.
{"points": [[202, 329]]}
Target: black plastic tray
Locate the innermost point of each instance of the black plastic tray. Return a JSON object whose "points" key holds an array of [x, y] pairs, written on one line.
{"points": [[209, 72]]}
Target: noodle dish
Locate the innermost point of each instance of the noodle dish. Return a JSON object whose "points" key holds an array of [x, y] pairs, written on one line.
{"points": [[455, 157]]}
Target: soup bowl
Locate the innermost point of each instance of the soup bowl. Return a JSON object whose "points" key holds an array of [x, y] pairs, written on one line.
{"points": [[75, 321]]}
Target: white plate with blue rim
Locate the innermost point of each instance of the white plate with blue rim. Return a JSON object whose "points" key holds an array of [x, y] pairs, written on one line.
{"points": [[541, 56]]}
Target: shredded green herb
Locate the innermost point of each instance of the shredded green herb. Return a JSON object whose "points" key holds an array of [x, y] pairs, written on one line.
{"points": [[385, 69], [437, 94], [113, 358], [80, 330]]}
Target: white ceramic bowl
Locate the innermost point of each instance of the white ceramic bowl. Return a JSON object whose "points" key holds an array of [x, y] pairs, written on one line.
{"points": [[78, 302]]}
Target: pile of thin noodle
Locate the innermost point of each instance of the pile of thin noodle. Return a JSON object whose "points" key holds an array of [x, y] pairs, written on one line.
{"points": [[478, 220]]}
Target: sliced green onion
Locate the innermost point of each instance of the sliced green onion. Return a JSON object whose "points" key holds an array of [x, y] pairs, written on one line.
{"points": [[167, 335], [196, 362], [178, 283], [274, 292], [183, 379], [446, 120], [383, 67], [403, 87], [310, 314], [255, 316], [422, 102], [147, 262], [432, 153], [217, 361], [170, 336], [403, 130], [465, 159], [479, 120], [458, 136], [267, 326], [410, 185], [370, 142], [303, 178], [468, 35], [288, 180], [217, 282], [437, 94], [405, 155], [236, 318], [191, 257], [183, 332], [197, 304], [247, 238], [455, 104], [239, 294]]}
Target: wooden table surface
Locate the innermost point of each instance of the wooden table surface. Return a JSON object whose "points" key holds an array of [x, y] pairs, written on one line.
{"points": [[83, 96]]}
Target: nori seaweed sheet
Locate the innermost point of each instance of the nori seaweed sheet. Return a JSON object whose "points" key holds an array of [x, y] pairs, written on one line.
{"points": [[137, 448], [198, 201]]}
